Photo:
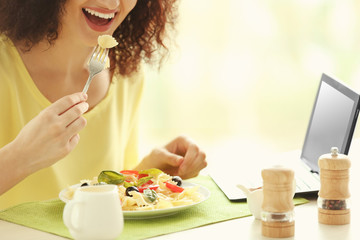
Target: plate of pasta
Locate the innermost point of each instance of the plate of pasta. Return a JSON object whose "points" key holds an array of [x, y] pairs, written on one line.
{"points": [[149, 193]]}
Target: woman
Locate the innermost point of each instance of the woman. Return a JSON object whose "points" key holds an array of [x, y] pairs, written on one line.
{"points": [[44, 49]]}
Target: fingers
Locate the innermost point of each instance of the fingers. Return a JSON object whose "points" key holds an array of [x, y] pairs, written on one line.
{"points": [[194, 161], [74, 140], [174, 160], [74, 113], [69, 110], [167, 157], [65, 115], [179, 145], [65, 103], [76, 126], [180, 157]]}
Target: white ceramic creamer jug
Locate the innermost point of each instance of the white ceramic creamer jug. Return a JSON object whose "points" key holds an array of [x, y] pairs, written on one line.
{"points": [[254, 199], [94, 213]]}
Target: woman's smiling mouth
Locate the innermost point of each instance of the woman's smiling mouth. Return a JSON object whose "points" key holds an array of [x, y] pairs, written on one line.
{"points": [[98, 21]]}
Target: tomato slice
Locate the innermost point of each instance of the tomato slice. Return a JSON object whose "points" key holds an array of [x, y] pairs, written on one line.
{"points": [[130, 172], [147, 183], [173, 187], [151, 187], [142, 175]]}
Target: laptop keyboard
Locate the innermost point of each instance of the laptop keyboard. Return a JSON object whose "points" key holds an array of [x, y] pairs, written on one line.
{"points": [[307, 181]]}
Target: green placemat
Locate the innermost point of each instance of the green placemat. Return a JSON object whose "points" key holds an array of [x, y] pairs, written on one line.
{"points": [[47, 215]]}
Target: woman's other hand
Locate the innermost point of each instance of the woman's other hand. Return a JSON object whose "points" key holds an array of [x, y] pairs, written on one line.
{"points": [[181, 157], [52, 134]]}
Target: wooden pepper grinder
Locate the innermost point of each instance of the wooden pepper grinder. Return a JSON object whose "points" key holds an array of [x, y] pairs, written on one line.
{"points": [[333, 201], [277, 210]]}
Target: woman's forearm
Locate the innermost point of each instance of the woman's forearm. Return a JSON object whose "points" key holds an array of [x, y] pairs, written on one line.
{"points": [[12, 169]]}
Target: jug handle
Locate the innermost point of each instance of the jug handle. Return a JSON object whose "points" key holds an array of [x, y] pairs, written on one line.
{"points": [[68, 211], [244, 189]]}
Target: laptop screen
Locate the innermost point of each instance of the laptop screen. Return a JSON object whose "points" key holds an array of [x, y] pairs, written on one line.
{"points": [[332, 121]]}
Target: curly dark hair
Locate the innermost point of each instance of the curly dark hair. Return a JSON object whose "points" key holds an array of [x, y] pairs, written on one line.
{"points": [[140, 35]]}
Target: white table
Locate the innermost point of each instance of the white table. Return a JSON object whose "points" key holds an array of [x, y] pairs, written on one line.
{"points": [[306, 222]]}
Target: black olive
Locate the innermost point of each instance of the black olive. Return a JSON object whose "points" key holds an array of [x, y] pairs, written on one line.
{"points": [[177, 180], [129, 189], [84, 184]]}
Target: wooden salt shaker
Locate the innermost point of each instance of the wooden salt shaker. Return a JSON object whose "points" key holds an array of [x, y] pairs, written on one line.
{"points": [[277, 209], [333, 201]]}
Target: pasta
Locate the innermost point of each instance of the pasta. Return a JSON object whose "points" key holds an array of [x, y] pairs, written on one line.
{"points": [[107, 41], [147, 190]]}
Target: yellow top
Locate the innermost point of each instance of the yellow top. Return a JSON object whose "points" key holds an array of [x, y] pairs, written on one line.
{"points": [[109, 141]]}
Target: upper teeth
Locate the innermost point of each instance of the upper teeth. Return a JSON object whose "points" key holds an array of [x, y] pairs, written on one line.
{"points": [[101, 15]]}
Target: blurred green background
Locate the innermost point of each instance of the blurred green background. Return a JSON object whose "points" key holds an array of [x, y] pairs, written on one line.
{"points": [[249, 70]]}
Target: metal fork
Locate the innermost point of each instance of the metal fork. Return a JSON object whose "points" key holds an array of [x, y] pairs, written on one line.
{"points": [[96, 64]]}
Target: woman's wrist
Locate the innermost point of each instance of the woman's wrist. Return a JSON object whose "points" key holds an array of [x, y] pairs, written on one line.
{"points": [[13, 168]]}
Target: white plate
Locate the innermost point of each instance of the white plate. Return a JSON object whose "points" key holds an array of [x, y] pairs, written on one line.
{"points": [[151, 213]]}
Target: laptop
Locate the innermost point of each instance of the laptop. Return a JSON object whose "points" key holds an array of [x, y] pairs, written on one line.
{"points": [[332, 123]]}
